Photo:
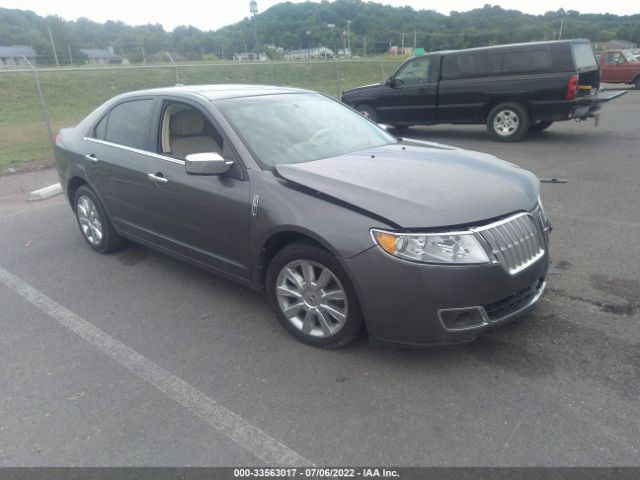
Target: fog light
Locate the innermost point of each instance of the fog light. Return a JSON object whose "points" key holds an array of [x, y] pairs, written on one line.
{"points": [[456, 319]]}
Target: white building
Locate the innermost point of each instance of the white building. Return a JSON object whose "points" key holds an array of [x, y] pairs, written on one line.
{"points": [[309, 53], [13, 57], [250, 57]]}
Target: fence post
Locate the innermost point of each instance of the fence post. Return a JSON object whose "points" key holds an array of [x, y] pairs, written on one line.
{"points": [[43, 105], [381, 71], [176, 67], [338, 78], [271, 71]]}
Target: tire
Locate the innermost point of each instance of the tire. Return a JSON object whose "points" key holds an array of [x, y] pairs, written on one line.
{"points": [[400, 128], [368, 111], [540, 126], [293, 286], [94, 223], [508, 122], [636, 84]]}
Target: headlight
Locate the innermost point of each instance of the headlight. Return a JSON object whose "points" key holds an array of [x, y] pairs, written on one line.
{"points": [[455, 247]]}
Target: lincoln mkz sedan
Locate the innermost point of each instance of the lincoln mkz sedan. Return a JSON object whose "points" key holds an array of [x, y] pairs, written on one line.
{"points": [[344, 226]]}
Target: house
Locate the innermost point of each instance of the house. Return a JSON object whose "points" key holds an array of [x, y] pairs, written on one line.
{"points": [[99, 56], [250, 57], [309, 53], [13, 57]]}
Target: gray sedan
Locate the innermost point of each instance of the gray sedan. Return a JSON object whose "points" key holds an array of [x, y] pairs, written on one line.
{"points": [[344, 226]]}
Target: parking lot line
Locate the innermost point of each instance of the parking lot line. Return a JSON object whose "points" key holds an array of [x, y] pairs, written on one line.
{"points": [[248, 436]]}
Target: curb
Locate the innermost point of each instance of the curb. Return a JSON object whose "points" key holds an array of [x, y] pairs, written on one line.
{"points": [[44, 193]]}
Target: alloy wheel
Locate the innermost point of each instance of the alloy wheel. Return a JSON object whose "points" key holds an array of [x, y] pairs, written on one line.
{"points": [[312, 298], [89, 220]]}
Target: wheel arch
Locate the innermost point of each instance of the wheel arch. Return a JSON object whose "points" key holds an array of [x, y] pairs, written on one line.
{"points": [[282, 238], [73, 185]]}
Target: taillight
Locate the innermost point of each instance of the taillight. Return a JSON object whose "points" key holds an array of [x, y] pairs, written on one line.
{"points": [[58, 139], [572, 88]]}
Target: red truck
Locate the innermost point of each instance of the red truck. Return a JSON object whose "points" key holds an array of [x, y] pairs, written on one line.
{"points": [[619, 66]]}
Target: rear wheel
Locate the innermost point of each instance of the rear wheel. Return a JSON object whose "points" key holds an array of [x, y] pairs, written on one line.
{"points": [[508, 122], [312, 296], [367, 111], [637, 83], [539, 126], [94, 223]]}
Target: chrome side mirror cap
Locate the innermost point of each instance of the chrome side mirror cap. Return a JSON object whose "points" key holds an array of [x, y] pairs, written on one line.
{"points": [[209, 163]]}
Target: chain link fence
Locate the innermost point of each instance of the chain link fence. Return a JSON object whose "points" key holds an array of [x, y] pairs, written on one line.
{"points": [[35, 103]]}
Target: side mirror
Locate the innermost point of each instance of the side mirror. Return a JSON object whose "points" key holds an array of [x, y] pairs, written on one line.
{"points": [[209, 163], [391, 82]]}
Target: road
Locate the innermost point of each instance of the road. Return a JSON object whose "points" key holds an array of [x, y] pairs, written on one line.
{"points": [[135, 358]]}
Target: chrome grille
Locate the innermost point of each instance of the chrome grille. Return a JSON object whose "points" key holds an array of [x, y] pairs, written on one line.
{"points": [[516, 242]]}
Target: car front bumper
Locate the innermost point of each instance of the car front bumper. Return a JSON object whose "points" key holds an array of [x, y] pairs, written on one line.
{"points": [[406, 304]]}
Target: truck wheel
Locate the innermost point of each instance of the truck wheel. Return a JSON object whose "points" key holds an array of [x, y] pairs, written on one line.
{"points": [[637, 83], [540, 126], [508, 122], [367, 111]]}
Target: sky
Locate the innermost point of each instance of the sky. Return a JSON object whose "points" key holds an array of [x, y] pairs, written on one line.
{"points": [[213, 14]]}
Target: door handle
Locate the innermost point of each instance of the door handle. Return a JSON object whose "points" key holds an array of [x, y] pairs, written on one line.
{"points": [[421, 90], [157, 177], [91, 157]]}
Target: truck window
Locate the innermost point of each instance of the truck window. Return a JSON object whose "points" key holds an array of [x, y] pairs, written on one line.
{"points": [[521, 61], [416, 71], [612, 58], [584, 56], [469, 64]]}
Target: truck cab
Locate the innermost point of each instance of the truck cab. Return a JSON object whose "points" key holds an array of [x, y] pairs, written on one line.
{"points": [[619, 66]]}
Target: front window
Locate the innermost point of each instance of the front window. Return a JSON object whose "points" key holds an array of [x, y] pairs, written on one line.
{"points": [[413, 72], [296, 128], [630, 57]]}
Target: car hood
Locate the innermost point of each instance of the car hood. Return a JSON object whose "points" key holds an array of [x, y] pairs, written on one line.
{"points": [[363, 88], [411, 186]]}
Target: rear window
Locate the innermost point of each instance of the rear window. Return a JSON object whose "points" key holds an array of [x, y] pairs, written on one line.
{"points": [[527, 60], [584, 56]]}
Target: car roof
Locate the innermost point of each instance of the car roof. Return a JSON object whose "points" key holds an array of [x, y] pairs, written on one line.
{"points": [[220, 91]]}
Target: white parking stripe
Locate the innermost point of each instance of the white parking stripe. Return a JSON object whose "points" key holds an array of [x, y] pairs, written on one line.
{"points": [[248, 436]]}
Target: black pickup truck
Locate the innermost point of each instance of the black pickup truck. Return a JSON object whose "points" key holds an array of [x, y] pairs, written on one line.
{"points": [[514, 89]]}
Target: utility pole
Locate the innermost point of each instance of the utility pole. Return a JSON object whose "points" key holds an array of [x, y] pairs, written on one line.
{"points": [[402, 48], [253, 8], [144, 58], [70, 56], [365, 46], [561, 24], [349, 36], [53, 47]]}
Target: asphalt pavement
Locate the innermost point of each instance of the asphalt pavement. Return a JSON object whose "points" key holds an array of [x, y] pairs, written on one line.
{"points": [[135, 358]]}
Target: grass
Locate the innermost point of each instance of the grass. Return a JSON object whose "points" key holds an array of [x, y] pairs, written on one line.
{"points": [[71, 94]]}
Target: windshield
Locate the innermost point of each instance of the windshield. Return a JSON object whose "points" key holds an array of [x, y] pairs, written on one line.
{"points": [[296, 128], [629, 56]]}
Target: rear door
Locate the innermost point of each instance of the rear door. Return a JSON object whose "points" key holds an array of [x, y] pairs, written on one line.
{"points": [[117, 161], [412, 98]]}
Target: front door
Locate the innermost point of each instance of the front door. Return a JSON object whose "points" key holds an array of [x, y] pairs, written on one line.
{"points": [[411, 96], [203, 217]]}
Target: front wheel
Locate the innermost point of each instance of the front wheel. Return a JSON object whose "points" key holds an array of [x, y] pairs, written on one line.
{"points": [[539, 126], [368, 112], [508, 122], [312, 296]]}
